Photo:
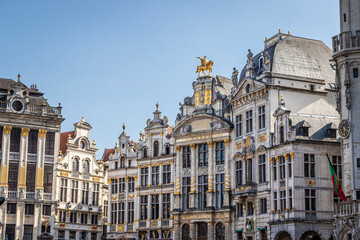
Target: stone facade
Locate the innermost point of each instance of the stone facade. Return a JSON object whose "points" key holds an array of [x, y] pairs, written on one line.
{"points": [[30, 130], [346, 57], [80, 190]]}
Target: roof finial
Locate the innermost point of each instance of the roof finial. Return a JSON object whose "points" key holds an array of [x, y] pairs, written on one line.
{"points": [[289, 32], [279, 30], [123, 127], [82, 119], [116, 145], [19, 76], [157, 105]]}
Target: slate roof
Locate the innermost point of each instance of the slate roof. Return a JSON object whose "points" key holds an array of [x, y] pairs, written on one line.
{"points": [[223, 85]]}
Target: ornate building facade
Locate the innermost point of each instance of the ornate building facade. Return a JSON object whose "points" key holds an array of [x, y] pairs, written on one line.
{"points": [[80, 191], [346, 56], [29, 135]]}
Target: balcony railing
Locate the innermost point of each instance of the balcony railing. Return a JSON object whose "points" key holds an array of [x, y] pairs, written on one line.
{"points": [[129, 227], [32, 157], [30, 195], [346, 41], [14, 156], [49, 158], [347, 208], [142, 223], [12, 195], [47, 196]]}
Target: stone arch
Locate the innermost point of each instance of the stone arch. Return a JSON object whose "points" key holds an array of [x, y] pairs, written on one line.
{"points": [[344, 233], [185, 232], [283, 235], [310, 235], [220, 231]]}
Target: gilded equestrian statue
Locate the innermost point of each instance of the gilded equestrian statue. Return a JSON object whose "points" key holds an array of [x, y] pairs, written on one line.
{"points": [[206, 65]]}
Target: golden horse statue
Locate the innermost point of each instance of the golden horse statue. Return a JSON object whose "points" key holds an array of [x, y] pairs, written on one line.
{"points": [[206, 65]]}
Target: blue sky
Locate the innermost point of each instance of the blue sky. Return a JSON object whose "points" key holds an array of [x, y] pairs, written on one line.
{"points": [[111, 61]]}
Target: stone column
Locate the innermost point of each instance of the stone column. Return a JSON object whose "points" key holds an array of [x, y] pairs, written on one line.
{"points": [[138, 177], [137, 211], [40, 163], [227, 174], [278, 187], [177, 178], [161, 144], [161, 174], [160, 208], [228, 228], [23, 162], [193, 177], [192, 231], [5, 158], [211, 231], [151, 148], [210, 192], [149, 211], [176, 233], [3, 210], [149, 176], [20, 219], [37, 220]]}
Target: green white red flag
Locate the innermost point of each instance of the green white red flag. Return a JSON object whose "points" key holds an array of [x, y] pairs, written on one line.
{"points": [[336, 184]]}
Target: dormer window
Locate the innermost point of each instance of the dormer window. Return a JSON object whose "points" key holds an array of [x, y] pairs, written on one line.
{"points": [[82, 145], [248, 88], [156, 148], [167, 149], [261, 62], [282, 134], [122, 162], [304, 131], [331, 133], [145, 153]]}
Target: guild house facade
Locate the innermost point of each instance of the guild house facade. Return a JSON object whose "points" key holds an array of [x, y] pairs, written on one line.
{"points": [[29, 141]]}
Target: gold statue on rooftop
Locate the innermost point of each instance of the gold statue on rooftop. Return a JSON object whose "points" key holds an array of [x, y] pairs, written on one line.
{"points": [[206, 65]]}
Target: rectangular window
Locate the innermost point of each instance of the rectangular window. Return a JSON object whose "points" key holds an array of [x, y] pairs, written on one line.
{"points": [[11, 208], [275, 202], [106, 206], [95, 195], [166, 174], [166, 206], [263, 206], [289, 167], [282, 167], [355, 72], [61, 234], [28, 232], [220, 153], [185, 192], [15, 140], [72, 235], [48, 178], [131, 184], [262, 169], [309, 165], [122, 185], [310, 200], [274, 170], [113, 211], [143, 207], [144, 176], [130, 212], [344, 17], [30, 177], [282, 200], [49, 143], [29, 209], [121, 213], [239, 173], [46, 210], [250, 208], [262, 117], [94, 219], [73, 217], [203, 155], [63, 190], [74, 191], [249, 170], [114, 186], [290, 199], [238, 125], [249, 122], [202, 189], [155, 175], [186, 157], [32, 141], [85, 193], [154, 206], [84, 218], [13, 175], [336, 162], [62, 216], [239, 210], [220, 186]]}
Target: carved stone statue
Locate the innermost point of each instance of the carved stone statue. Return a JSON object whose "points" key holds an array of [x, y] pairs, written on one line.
{"points": [[234, 76], [206, 65]]}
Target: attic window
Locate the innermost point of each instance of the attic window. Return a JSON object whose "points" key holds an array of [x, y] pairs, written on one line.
{"points": [[355, 72], [123, 145], [82, 144], [312, 87], [331, 133], [344, 17], [261, 62], [167, 149], [248, 88], [282, 134], [304, 131]]}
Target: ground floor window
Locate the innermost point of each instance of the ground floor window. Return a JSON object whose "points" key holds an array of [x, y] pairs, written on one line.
{"points": [[72, 235], [10, 232], [28, 231], [185, 232], [61, 234], [220, 231], [93, 236]]}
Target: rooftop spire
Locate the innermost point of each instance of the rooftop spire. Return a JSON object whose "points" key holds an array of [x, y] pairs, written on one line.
{"points": [[19, 76], [157, 106], [123, 126]]}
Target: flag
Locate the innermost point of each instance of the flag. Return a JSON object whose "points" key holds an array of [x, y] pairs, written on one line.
{"points": [[336, 184]]}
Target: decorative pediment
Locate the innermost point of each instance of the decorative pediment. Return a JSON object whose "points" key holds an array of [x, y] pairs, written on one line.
{"points": [[261, 148], [248, 86]]}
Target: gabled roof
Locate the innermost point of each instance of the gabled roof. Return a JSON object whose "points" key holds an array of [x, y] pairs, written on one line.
{"points": [[63, 140], [107, 153]]}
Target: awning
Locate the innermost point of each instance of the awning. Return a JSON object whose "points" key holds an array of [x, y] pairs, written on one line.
{"points": [[238, 230], [262, 229]]}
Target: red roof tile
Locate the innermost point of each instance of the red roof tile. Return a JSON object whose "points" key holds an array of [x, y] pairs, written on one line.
{"points": [[107, 153], [63, 140]]}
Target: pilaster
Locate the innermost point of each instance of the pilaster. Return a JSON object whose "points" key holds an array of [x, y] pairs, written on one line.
{"points": [[5, 156], [20, 218], [40, 161], [23, 160], [227, 174], [210, 192], [193, 177], [37, 220], [192, 230]]}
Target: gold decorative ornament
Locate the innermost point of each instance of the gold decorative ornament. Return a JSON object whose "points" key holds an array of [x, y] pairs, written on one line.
{"points": [[42, 133], [193, 146], [206, 65], [310, 182], [25, 132], [7, 130], [227, 142], [262, 138]]}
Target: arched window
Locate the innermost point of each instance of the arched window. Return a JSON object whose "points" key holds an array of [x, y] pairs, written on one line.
{"points": [[248, 88], [75, 166], [82, 144], [86, 166], [185, 232], [167, 149], [220, 231], [145, 154], [282, 136], [156, 148], [122, 162], [261, 62]]}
